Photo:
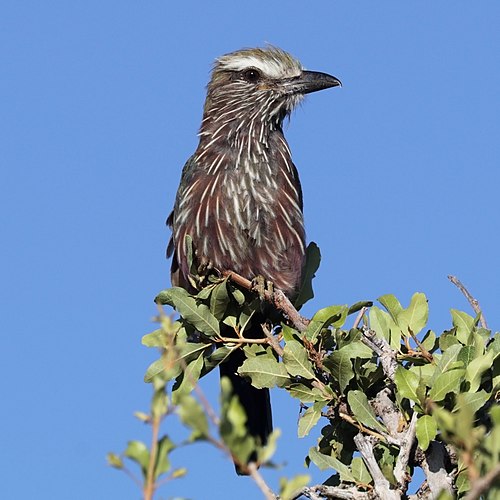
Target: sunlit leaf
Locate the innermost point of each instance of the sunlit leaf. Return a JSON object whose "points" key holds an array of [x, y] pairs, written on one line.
{"points": [[290, 487], [162, 465], [360, 472], [198, 315], [415, 316], [219, 300], [324, 462], [463, 323], [407, 383], [339, 364], [445, 383], [310, 418], [391, 304], [426, 431], [193, 416], [476, 368], [264, 371], [296, 361], [362, 411], [139, 453]]}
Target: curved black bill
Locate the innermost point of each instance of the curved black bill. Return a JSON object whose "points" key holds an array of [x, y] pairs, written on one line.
{"points": [[312, 81]]}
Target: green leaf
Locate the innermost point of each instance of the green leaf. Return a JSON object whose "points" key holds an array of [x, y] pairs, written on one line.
{"points": [[429, 341], [360, 472], [219, 300], [464, 325], [159, 404], [158, 338], [494, 345], [379, 322], [264, 371], [189, 378], [476, 368], [288, 332], [218, 356], [170, 363], [192, 415], [358, 306], [290, 487], [296, 362], [385, 327], [197, 315], [158, 367], [467, 354], [415, 317], [357, 350], [426, 430], [331, 315], [362, 411], [391, 304], [114, 460], [476, 400], [232, 426], [238, 295], [407, 383], [340, 366], [310, 418], [313, 258], [324, 462], [445, 383], [267, 451], [139, 453], [304, 393], [162, 465], [447, 359]]}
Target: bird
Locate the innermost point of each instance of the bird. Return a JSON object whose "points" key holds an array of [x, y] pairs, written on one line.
{"points": [[240, 197]]}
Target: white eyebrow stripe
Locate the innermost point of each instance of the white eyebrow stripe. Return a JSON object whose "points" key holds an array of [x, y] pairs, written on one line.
{"points": [[270, 67]]}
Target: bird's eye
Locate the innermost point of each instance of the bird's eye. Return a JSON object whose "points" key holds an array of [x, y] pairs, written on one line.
{"points": [[251, 75]]}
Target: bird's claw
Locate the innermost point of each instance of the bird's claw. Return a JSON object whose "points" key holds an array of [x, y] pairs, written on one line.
{"points": [[262, 287]]}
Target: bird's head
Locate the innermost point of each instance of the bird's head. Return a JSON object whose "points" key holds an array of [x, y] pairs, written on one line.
{"points": [[259, 86]]}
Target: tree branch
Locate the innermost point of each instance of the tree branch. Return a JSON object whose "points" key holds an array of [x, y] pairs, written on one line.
{"points": [[400, 473], [384, 351], [433, 465], [322, 491], [381, 484], [278, 298], [482, 484], [260, 482], [472, 301]]}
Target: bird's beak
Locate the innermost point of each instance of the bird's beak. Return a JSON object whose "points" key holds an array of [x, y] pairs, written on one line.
{"points": [[311, 81]]}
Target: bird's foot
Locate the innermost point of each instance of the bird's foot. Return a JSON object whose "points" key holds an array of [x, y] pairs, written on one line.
{"points": [[262, 287]]}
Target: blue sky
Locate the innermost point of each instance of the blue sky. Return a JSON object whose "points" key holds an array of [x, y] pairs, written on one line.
{"points": [[100, 106]]}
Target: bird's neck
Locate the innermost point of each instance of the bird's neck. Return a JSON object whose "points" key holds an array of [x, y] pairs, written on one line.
{"points": [[239, 137]]}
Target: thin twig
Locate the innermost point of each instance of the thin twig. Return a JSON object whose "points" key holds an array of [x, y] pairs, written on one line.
{"points": [[259, 480], [472, 301], [482, 484], [423, 351], [272, 340], [382, 437], [359, 317], [150, 485], [242, 340]]}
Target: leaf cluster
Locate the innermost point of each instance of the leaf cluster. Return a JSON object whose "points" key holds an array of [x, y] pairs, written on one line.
{"points": [[387, 380]]}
